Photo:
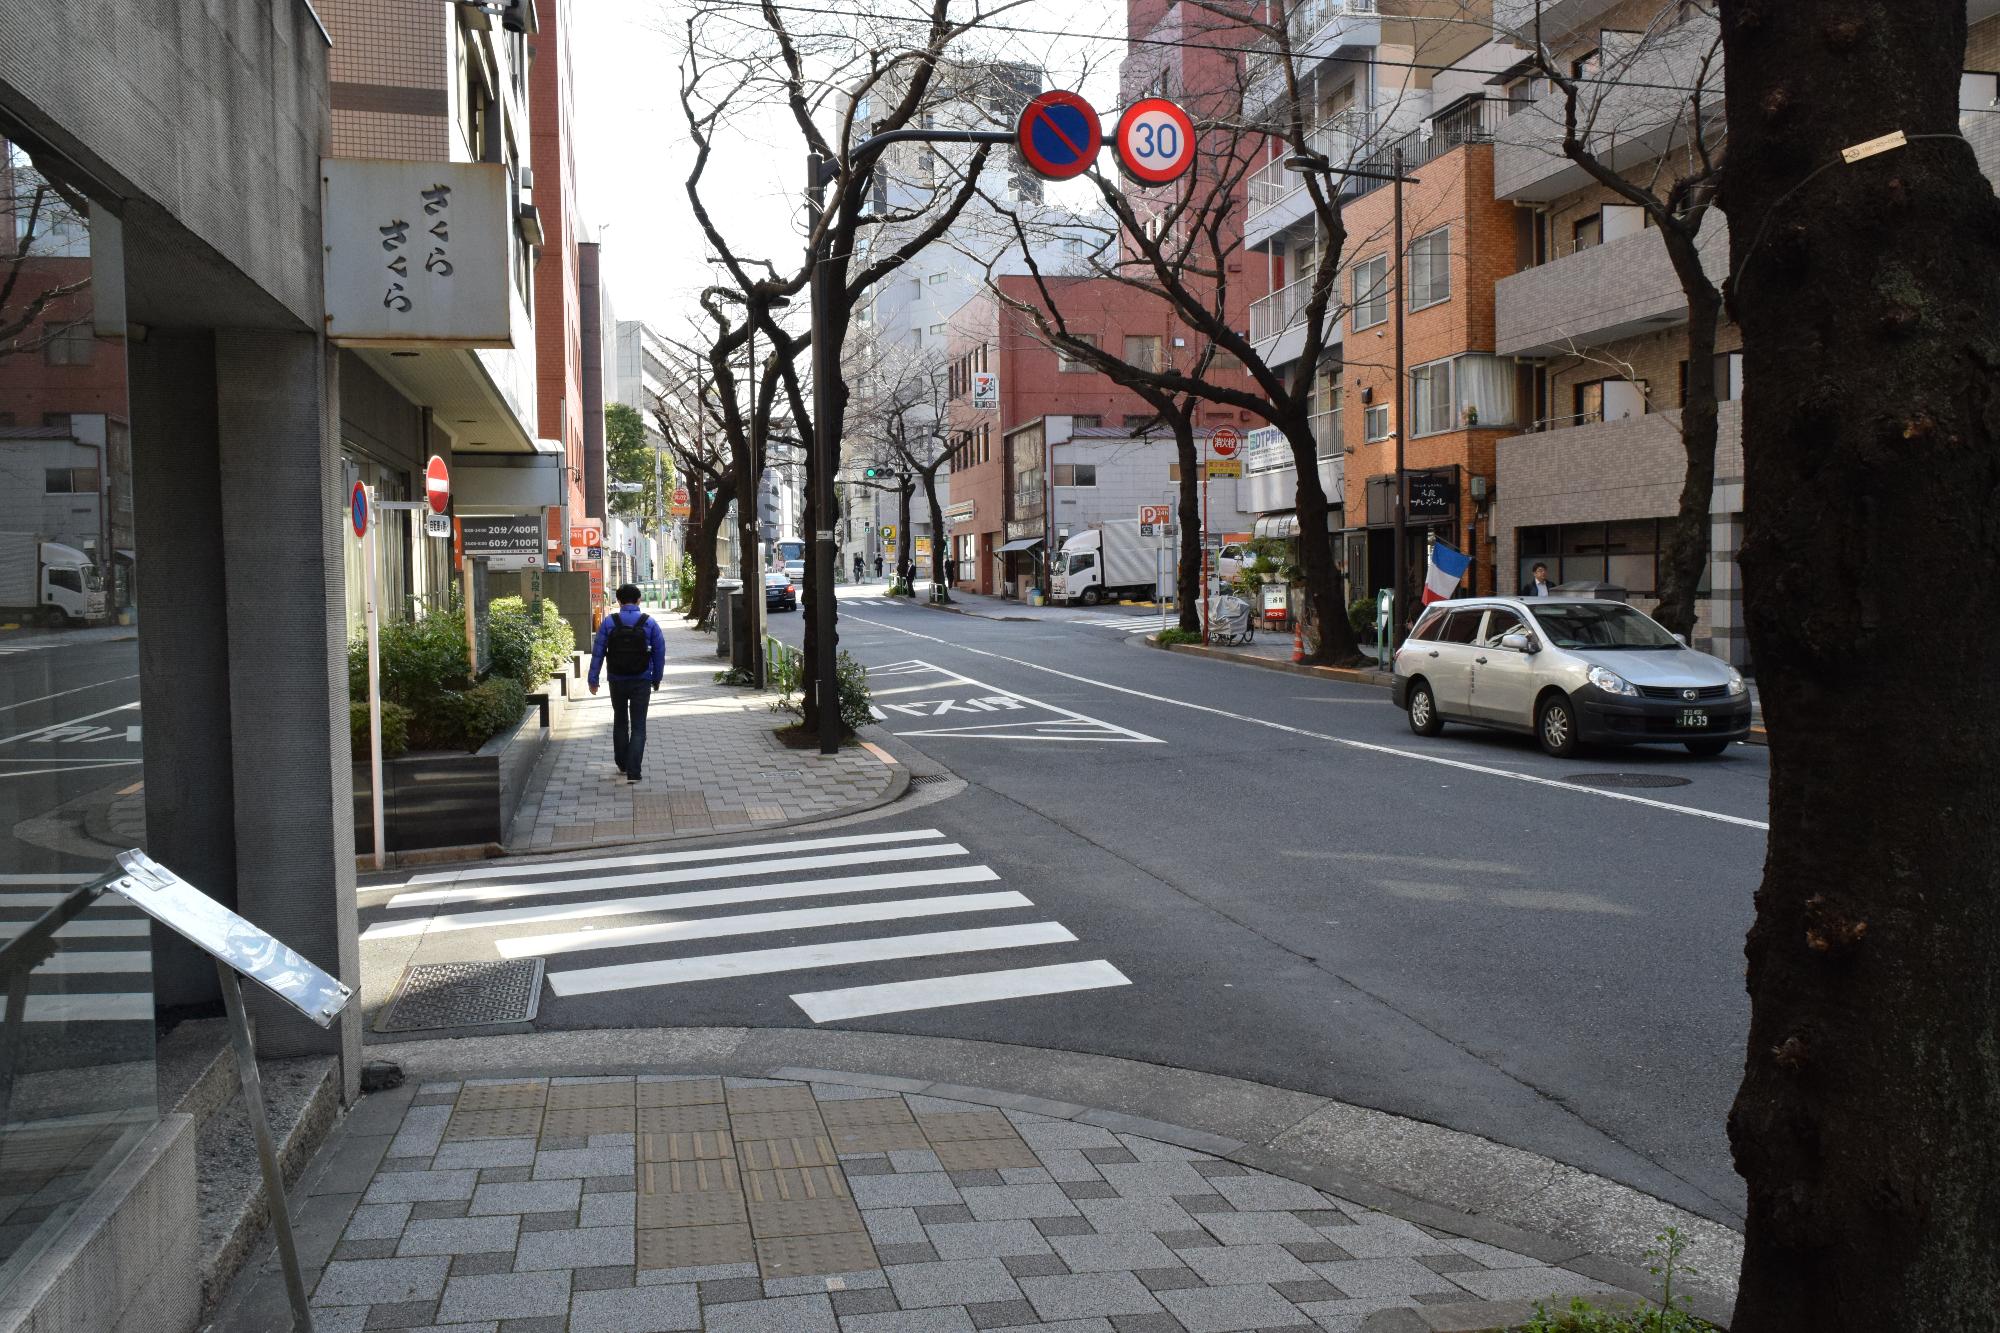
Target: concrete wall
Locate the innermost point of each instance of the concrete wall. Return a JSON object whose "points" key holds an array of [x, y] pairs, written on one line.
{"points": [[1603, 291]]}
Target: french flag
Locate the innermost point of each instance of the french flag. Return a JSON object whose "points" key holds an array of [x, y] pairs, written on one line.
{"points": [[1447, 568]]}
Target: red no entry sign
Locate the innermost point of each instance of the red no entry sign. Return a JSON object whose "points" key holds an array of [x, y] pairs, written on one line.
{"points": [[1154, 141], [437, 484], [1059, 135]]}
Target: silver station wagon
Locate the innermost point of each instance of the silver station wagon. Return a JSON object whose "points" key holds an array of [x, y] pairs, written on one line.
{"points": [[1571, 671]]}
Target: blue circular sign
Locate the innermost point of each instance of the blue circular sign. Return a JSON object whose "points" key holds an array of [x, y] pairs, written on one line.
{"points": [[357, 505], [1059, 135]]}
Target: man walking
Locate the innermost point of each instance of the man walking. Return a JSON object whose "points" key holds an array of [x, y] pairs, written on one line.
{"points": [[634, 652]]}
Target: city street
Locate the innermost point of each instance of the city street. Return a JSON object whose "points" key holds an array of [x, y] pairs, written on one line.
{"points": [[1199, 864], [69, 739]]}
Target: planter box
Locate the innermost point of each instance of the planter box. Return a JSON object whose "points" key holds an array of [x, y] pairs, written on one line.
{"points": [[449, 799]]}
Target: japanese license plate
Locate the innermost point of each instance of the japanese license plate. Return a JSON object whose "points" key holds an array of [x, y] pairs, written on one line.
{"points": [[1693, 717]]}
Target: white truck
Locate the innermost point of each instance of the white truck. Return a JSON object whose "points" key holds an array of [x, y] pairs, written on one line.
{"points": [[47, 581], [1107, 562]]}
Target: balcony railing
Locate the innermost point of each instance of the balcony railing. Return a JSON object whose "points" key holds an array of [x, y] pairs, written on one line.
{"points": [[1307, 18], [1337, 140], [1472, 119], [1326, 433], [1283, 309]]}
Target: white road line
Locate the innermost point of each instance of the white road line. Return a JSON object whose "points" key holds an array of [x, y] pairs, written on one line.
{"points": [[1366, 746], [66, 723], [896, 997], [519, 870], [46, 879], [104, 1008], [759, 962], [493, 893], [70, 768], [91, 960], [673, 902], [76, 929], [1082, 726], [756, 923], [44, 698]]}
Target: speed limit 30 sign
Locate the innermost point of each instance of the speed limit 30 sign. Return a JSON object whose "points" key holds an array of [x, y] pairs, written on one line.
{"points": [[1155, 141]]}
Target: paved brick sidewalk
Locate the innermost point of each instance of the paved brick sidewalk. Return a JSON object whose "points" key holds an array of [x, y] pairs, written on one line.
{"points": [[712, 764], [662, 1203]]}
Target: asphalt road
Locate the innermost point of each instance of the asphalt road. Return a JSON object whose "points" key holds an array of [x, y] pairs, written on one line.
{"points": [[69, 720], [1211, 866]]}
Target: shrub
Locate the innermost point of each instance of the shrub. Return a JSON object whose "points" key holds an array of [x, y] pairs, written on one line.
{"points": [[395, 729], [467, 719], [685, 583], [854, 696], [511, 636], [1361, 618], [1176, 634], [425, 676]]}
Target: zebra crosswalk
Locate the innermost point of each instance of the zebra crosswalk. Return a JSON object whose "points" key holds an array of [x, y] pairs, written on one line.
{"points": [[820, 916], [875, 601], [101, 970], [1123, 624]]}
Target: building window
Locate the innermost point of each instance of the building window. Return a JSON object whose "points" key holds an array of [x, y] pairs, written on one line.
{"points": [[1586, 232], [1138, 420], [938, 279], [937, 330], [1080, 420], [1375, 423], [1608, 400], [1625, 553], [1430, 399], [1076, 474], [1728, 378], [1430, 268], [1070, 365], [1371, 292], [1142, 350], [71, 346], [70, 481]]}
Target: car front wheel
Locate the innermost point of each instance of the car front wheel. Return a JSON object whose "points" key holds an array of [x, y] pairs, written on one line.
{"points": [[1089, 597], [1424, 719], [1555, 725]]}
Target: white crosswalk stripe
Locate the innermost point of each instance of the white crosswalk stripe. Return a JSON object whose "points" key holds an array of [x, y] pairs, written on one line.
{"points": [[1123, 624], [650, 940], [101, 966]]}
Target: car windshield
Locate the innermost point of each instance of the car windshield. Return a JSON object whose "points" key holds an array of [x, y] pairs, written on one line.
{"points": [[1600, 625]]}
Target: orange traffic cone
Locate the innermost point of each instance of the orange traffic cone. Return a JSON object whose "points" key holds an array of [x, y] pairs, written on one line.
{"points": [[1298, 642]]}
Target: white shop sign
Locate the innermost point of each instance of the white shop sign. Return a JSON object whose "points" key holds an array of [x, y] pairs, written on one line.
{"points": [[416, 253]]}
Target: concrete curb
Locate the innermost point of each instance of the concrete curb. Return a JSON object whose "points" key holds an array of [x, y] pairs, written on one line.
{"points": [[1347, 675], [1330, 1145], [957, 610]]}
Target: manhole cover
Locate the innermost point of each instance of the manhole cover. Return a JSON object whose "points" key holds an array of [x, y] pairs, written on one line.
{"points": [[465, 995], [1626, 780]]}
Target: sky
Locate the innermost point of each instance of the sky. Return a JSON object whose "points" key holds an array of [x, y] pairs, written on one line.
{"points": [[633, 153]]}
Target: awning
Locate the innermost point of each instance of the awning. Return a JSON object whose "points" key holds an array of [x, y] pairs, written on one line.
{"points": [[1021, 544], [1277, 525]]}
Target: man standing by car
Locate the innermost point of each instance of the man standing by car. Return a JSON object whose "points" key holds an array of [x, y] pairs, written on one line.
{"points": [[1538, 584], [633, 652]]}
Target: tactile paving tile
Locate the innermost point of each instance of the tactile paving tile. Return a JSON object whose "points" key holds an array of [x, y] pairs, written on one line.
{"points": [[494, 1096], [582, 1121], [776, 1124], [859, 1111], [686, 1177], [833, 1252], [804, 1217], [703, 1145], [961, 1125], [680, 1092], [682, 1119], [773, 1154], [878, 1138], [563, 1096], [506, 1122], [695, 1247], [746, 1100], [705, 1209], [810, 1182], [985, 1154]]}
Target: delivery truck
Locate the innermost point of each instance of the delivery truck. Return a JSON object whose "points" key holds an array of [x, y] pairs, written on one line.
{"points": [[1107, 562], [47, 582]]}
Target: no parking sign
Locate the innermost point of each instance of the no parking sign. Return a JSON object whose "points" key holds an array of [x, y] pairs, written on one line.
{"points": [[1059, 135]]}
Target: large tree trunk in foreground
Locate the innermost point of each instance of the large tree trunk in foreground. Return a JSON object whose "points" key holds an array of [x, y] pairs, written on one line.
{"points": [[1868, 1123], [1684, 548], [1188, 587], [1324, 609], [938, 585]]}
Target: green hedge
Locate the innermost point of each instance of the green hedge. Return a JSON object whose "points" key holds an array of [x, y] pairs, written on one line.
{"points": [[528, 645], [395, 729], [427, 686]]}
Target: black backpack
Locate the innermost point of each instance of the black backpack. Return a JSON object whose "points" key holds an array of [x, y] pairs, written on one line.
{"points": [[626, 649]]}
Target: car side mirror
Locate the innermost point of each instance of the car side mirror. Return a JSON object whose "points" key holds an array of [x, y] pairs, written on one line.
{"points": [[1520, 642], [1681, 639]]}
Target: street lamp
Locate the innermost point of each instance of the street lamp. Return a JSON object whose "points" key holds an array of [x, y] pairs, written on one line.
{"points": [[1317, 164]]}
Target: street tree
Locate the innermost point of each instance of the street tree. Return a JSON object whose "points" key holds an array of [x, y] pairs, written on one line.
{"points": [[1643, 117], [45, 257], [832, 76], [901, 429], [688, 419], [632, 460], [1865, 1124]]}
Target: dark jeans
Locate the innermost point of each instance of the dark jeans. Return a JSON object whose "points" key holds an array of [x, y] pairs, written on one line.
{"points": [[628, 723]]}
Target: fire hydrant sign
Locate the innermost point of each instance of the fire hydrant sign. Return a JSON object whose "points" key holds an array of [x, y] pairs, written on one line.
{"points": [[1224, 441]]}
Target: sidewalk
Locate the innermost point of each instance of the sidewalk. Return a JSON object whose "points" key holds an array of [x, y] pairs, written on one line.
{"points": [[687, 1182], [712, 764]]}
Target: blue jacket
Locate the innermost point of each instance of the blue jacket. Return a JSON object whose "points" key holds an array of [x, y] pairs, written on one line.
{"points": [[654, 639]]}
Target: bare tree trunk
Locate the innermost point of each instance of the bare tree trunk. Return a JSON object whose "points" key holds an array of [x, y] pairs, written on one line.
{"points": [[937, 535], [906, 545], [1684, 547], [1187, 587], [1865, 1125], [1324, 609], [708, 527]]}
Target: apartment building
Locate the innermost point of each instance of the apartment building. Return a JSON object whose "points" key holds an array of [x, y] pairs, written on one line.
{"points": [[1597, 314]]}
